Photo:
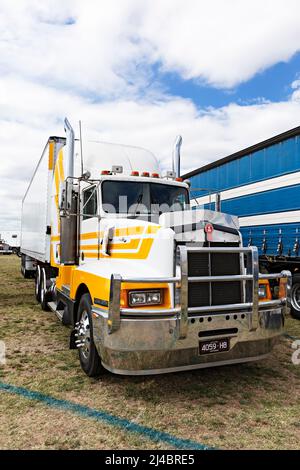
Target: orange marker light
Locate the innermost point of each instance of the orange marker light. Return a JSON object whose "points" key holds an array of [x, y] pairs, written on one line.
{"points": [[179, 179]]}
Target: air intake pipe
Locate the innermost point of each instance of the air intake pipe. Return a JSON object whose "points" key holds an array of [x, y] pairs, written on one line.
{"points": [[176, 156]]}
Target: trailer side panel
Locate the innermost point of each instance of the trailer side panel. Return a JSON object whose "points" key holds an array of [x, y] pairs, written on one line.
{"points": [[36, 216]]}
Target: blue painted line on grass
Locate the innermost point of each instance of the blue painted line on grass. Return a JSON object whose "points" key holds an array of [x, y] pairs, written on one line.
{"points": [[87, 412], [286, 335]]}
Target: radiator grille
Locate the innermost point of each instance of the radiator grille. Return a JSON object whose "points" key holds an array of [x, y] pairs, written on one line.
{"points": [[214, 264]]}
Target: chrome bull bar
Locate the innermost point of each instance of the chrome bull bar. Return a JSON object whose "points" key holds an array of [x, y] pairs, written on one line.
{"points": [[181, 309]]}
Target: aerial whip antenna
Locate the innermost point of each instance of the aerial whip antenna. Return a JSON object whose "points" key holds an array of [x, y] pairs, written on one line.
{"points": [[81, 154]]}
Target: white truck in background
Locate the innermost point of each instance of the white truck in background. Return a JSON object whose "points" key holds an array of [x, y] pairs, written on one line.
{"points": [[146, 284], [10, 242]]}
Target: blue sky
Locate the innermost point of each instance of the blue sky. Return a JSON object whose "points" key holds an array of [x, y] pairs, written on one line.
{"points": [[272, 84], [224, 75]]}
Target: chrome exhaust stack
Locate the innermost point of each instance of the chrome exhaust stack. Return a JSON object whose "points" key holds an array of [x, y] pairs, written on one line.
{"points": [[176, 156], [68, 204]]}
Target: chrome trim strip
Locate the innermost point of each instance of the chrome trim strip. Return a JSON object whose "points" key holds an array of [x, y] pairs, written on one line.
{"points": [[236, 277], [183, 368], [275, 275], [114, 303], [152, 280], [219, 249], [253, 317], [246, 305], [288, 290], [233, 277], [184, 319], [149, 311]]}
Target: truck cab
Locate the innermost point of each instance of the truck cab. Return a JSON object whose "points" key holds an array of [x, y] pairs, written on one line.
{"points": [[147, 283]]}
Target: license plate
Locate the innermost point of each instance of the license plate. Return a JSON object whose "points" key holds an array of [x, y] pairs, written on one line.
{"points": [[214, 346]]}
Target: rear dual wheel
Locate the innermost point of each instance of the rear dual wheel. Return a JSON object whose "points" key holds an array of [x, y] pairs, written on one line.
{"points": [[295, 297], [42, 287]]}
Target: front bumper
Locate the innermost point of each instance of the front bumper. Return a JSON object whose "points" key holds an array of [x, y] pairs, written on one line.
{"points": [[153, 346]]}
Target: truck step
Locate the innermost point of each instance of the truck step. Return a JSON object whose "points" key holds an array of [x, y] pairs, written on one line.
{"points": [[66, 289], [58, 313], [52, 306]]}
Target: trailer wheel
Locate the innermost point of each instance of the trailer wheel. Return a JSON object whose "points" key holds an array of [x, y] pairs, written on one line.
{"points": [[295, 297], [89, 358], [37, 285], [44, 295]]}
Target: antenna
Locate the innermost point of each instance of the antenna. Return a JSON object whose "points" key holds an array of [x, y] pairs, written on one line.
{"points": [[81, 155]]}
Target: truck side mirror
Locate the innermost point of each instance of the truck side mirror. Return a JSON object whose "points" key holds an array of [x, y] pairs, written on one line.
{"points": [[63, 196]]}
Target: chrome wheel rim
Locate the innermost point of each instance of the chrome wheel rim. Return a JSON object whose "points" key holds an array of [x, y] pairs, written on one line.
{"points": [[42, 290], [295, 297], [84, 335]]}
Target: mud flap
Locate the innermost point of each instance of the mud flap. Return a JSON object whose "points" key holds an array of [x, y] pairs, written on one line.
{"points": [[72, 340]]}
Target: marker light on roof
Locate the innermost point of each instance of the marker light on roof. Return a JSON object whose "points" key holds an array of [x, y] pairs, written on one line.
{"points": [[105, 172], [134, 173], [155, 175], [145, 173], [179, 179]]}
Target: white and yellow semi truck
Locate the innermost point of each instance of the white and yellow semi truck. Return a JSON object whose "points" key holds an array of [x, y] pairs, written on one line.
{"points": [[146, 284]]}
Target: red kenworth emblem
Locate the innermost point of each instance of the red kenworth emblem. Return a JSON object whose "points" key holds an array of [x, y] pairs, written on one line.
{"points": [[208, 228]]}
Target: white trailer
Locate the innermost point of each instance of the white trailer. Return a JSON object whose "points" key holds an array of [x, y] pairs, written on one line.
{"points": [[36, 210]]}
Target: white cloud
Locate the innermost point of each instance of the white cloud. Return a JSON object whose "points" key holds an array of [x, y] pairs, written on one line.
{"points": [[109, 46], [222, 42], [208, 134], [92, 61]]}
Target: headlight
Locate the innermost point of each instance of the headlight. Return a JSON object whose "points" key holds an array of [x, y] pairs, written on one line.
{"points": [[153, 297], [262, 291]]}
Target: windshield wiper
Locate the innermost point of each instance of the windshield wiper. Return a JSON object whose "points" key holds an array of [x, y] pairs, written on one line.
{"points": [[138, 201]]}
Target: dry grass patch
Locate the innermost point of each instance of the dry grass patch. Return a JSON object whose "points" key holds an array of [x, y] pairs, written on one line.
{"points": [[246, 406]]}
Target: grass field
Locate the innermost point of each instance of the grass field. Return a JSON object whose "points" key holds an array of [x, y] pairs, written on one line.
{"points": [[233, 407]]}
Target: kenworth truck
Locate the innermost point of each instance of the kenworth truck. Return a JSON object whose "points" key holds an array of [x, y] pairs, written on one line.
{"points": [[146, 284]]}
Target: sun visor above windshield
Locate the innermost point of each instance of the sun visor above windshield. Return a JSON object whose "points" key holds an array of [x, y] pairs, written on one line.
{"points": [[99, 156]]}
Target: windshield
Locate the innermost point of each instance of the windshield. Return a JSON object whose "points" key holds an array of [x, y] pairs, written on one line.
{"points": [[142, 198]]}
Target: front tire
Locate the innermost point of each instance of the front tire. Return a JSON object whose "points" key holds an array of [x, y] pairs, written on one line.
{"points": [[295, 297], [88, 355]]}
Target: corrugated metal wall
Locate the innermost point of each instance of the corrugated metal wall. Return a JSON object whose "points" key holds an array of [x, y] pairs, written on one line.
{"points": [[279, 159]]}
